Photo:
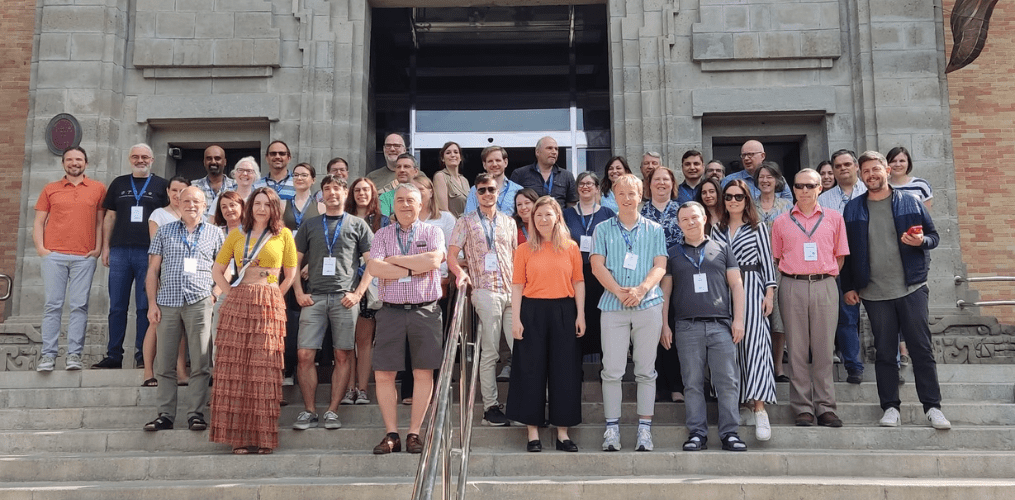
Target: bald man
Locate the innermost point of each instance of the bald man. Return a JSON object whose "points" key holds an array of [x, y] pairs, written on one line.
{"points": [[752, 154], [216, 182]]}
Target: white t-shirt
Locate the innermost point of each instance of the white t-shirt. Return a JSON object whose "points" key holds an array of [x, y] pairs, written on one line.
{"points": [[161, 216], [446, 224]]}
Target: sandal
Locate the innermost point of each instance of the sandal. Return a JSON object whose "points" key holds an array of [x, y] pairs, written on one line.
{"points": [[264, 451], [732, 442], [696, 443], [152, 382], [243, 450]]}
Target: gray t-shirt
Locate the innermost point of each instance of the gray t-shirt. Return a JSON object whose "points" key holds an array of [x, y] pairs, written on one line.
{"points": [[354, 239], [685, 303], [887, 278]]}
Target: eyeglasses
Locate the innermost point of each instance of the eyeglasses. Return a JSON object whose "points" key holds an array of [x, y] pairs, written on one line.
{"points": [[245, 171], [586, 184], [805, 186], [745, 156], [738, 197], [278, 153], [394, 146], [144, 158], [487, 189]]}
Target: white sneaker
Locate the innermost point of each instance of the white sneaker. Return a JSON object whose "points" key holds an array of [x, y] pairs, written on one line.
{"points": [[350, 397], [361, 397], [305, 420], [331, 420], [891, 418], [762, 427], [611, 438], [46, 364], [74, 362], [938, 420], [644, 439]]}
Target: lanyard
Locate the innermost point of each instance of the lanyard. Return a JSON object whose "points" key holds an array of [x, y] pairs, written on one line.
{"points": [[592, 215], [247, 257], [277, 186], [701, 257], [186, 242], [407, 247], [525, 231], [502, 197], [299, 212], [548, 185], [624, 232], [489, 233], [338, 229], [139, 194], [801, 226]]}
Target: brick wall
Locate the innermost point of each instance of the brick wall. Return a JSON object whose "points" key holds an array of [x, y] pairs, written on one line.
{"points": [[18, 20], [983, 137]]}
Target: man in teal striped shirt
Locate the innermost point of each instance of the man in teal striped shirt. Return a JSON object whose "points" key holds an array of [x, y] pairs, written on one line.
{"points": [[629, 259]]}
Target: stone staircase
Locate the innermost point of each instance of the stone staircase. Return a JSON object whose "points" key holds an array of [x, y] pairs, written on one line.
{"points": [[77, 435]]}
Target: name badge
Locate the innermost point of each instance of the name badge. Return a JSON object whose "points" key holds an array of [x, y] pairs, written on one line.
{"points": [[585, 243], [136, 214], [810, 251], [700, 283], [490, 262], [405, 279], [189, 265], [630, 261], [330, 264]]}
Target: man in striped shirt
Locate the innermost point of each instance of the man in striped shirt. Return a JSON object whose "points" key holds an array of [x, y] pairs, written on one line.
{"points": [[629, 259]]}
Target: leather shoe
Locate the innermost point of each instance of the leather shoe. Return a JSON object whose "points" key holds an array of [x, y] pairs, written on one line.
{"points": [[413, 444], [804, 420], [534, 446], [108, 363], [829, 419], [854, 377], [567, 445], [390, 443]]}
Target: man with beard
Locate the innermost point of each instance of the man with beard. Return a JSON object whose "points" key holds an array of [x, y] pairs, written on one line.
{"points": [[384, 178], [216, 182], [495, 162]]}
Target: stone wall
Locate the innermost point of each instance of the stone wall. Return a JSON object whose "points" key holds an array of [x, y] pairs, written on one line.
{"points": [[982, 117]]}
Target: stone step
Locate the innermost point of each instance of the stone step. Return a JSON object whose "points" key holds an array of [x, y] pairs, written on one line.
{"points": [[564, 488], [135, 416], [499, 463], [589, 437]]}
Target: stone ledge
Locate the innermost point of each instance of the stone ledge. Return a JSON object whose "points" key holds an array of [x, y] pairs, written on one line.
{"points": [[761, 100], [220, 106]]}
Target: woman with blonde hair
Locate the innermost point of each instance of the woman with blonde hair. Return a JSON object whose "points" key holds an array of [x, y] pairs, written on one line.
{"points": [[548, 304]]}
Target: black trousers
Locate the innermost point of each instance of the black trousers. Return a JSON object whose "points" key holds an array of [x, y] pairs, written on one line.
{"points": [[546, 358]]}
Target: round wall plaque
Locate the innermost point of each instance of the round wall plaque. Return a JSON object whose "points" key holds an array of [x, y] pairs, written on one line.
{"points": [[63, 132]]}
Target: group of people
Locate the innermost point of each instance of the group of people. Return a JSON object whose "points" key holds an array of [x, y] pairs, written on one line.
{"points": [[702, 281]]}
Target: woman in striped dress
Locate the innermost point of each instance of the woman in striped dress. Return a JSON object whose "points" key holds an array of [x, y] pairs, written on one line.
{"points": [[748, 238]]}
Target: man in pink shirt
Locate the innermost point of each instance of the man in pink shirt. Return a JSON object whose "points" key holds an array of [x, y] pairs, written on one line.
{"points": [[809, 246]]}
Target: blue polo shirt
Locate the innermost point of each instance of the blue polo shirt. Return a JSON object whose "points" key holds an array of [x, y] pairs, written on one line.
{"points": [[647, 240]]}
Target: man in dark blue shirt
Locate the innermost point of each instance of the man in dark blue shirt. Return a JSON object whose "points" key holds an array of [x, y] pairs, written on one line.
{"points": [[545, 177]]}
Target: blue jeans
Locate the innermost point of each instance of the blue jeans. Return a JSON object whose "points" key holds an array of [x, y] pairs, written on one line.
{"points": [[68, 280], [847, 335], [127, 265]]}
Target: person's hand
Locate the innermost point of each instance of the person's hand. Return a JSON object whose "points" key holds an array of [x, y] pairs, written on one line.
{"points": [[851, 297], [304, 300], [305, 272], [913, 240], [579, 325], [154, 314], [350, 299], [44, 252], [767, 304], [738, 331], [94, 253], [463, 277], [666, 337], [517, 329], [105, 257], [632, 296]]}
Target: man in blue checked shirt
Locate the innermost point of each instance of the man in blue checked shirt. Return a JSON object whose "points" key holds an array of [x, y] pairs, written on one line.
{"points": [[181, 293], [495, 162], [629, 259]]}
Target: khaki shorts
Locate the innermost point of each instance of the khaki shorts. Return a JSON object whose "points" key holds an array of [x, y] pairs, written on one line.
{"points": [[421, 327]]}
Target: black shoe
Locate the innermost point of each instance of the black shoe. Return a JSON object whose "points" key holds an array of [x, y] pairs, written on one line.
{"points": [[197, 423], [854, 377], [829, 419], [108, 363], [566, 445], [782, 378], [534, 446], [493, 416], [159, 424]]}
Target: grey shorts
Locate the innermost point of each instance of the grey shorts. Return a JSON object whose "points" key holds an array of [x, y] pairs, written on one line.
{"points": [[420, 326], [327, 309]]}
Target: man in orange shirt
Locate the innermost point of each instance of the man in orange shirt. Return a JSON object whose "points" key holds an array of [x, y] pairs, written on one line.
{"points": [[67, 232]]}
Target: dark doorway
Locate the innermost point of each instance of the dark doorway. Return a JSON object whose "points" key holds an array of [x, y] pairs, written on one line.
{"points": [[190, 164]]}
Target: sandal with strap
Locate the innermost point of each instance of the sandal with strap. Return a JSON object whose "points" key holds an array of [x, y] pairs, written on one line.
{"points": [[696, 443], [152, 382], [243, 450], [264, 451], [732, 442]]}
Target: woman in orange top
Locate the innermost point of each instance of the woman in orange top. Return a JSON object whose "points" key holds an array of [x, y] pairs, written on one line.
{"points": [[251, 332], [548, 304]]}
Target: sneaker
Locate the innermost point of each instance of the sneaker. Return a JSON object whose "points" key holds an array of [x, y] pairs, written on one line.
{"points": [[938, 420], [349, 398], [836, 359], [505, 374], [46, 364], [904, 360], [108, 363], [305, 420], [493, 416], [854, 377], [361, 397], [644, 439], [287, 382], [331, 420], [611, 438], [891, 418], [74, 362], [762, 427]]}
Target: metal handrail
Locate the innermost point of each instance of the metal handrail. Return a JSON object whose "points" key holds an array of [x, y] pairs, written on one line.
{"points": [[983, 279], [10, 286], [438, 442]]}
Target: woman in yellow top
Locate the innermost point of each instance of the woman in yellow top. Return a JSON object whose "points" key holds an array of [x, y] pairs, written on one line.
{"points": [[251, 331], [548, 304]]}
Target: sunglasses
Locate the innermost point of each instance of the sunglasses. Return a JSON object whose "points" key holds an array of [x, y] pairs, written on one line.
{"points": [[805, 186], [487, 189], [738, 197]]}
